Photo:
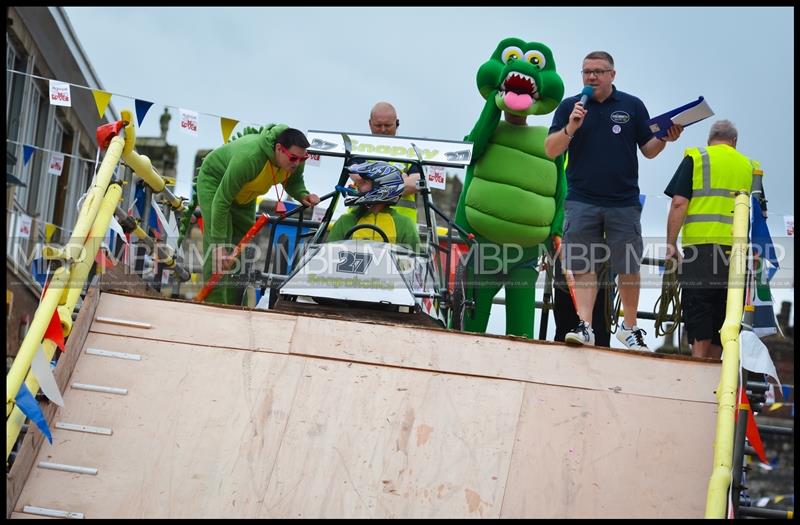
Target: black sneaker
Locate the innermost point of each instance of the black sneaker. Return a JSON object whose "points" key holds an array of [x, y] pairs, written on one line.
{"points": [[582, 335]]}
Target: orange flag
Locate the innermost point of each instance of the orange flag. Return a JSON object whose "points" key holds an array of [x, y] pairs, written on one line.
{"points": [[54, 331]]}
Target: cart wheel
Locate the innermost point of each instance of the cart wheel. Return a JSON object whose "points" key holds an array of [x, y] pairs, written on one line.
{"points": [[458, 298]]}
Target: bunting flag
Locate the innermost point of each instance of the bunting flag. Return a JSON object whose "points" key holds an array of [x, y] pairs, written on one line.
{"points": [[142, 107], [763, 267], [54, 331], [27, 153], [753, 436], [116, 227], [227, 125], [39, 270], [49, 230], [101, 100], [41, 368], [764, 320], [786, 391], [754, 356], [154, 228], [30, 407], [102, 261], [761, 239]]}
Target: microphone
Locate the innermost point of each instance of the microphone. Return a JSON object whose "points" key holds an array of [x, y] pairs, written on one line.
{"points": [[586, 93]]}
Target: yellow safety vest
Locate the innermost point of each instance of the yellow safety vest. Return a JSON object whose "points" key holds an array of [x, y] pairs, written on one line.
{"points": [[382, 220], [407, 205], [719, 172]]}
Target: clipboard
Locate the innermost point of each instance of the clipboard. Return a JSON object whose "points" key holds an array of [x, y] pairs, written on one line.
{"points": [[685, 115]]}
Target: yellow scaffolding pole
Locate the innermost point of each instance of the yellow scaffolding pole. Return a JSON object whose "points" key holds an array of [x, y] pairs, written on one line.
{"points": [[142, 165], [55, 291], [78, 255], [71, 287], [721, 475]]}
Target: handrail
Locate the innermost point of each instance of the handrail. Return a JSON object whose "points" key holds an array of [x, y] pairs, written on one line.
{"points": [[55, 292], [142, 165], [78, 257], [65, 287], [717, 496]]}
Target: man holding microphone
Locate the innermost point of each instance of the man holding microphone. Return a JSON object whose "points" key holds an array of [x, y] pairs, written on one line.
{"points": [[600, 130]]}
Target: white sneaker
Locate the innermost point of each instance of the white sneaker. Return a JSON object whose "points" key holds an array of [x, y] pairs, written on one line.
{"points": [[581, 335], [632, 338]]}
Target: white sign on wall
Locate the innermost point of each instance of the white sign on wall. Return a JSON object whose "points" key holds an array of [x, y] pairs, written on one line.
{"points": [[56, 164], [59, 94], [24, 223]]}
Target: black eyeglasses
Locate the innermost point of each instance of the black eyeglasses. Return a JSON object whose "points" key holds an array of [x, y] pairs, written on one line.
{"points": [[595, 72]]}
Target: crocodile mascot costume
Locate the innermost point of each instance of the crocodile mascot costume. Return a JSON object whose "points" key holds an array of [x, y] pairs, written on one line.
{"points": [[513, 196]]}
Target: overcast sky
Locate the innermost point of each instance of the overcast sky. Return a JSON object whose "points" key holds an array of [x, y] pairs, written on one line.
{"points": [[324, 68]]}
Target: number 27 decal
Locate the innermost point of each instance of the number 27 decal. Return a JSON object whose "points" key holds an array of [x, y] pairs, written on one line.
{"points": [[350, 262]]}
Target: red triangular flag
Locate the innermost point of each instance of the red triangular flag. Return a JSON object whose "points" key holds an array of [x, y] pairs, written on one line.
{"points": [[104, 262], [54, 332], [280, 207], [200, 224], [752, 433]]}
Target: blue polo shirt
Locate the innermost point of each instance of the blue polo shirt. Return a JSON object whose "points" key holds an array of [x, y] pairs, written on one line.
{"points": [[603, 165]]}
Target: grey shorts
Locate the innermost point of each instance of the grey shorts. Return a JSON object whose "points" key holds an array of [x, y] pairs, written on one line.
{"points": [[594, 235]]}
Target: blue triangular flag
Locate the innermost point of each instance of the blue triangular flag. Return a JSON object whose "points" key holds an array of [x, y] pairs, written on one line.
{"points": [[786, 391], [152, 221], [761, 240], [642, 198], [32, 411], [142, 107], [39, 270], [27, 151]]}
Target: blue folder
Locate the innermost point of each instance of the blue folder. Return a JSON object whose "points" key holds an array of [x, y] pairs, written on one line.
{"points": [[660, 125]]}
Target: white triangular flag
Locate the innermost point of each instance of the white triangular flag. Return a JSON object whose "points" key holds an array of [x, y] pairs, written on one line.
{"points": [[171, 228], [755, 356], [40, 367], [117, 227]]}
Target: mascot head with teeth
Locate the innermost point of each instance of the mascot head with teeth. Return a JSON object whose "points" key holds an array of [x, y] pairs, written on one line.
{"points": [[522, 78]]}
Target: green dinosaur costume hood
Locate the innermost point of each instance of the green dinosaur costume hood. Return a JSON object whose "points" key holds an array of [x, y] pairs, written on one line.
{"points": [[521, 77]]}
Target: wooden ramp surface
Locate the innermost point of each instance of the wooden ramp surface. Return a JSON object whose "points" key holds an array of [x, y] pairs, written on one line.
{"points": [[234, 413]]}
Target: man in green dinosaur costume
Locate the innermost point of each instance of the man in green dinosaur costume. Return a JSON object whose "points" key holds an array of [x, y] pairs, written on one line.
{"points": [[230, 179], [513, 196]]}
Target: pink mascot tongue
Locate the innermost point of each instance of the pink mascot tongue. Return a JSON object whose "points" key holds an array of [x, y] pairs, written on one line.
{"points": [[517, 102]]}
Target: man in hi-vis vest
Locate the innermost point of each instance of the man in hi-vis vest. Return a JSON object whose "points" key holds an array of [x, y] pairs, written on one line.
{"points": [[383, 121], [703, 192]]}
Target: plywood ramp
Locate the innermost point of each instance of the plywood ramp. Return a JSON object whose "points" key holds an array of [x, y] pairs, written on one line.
{"points": [[234, 413]]}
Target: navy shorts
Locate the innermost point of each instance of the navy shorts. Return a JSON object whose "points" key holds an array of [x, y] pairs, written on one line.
{"points": [[596, 234]]}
